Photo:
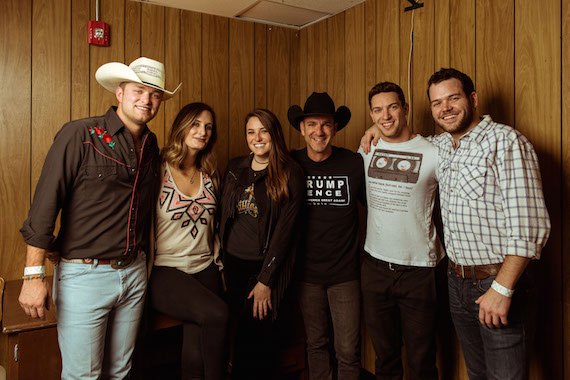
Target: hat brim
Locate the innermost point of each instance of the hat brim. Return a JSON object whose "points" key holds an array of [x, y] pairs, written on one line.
{"points": [[295, 115], [112, 74]]}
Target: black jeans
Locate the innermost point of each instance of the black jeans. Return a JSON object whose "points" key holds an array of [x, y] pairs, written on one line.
{"points": [[400, 303], [195, 299], [254, 348]]}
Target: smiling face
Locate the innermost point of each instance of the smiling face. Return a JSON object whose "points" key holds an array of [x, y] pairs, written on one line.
{"points": [[138, 103], [319, 132], [258, 139], [451, 108], [200, 132], [389, 115]]}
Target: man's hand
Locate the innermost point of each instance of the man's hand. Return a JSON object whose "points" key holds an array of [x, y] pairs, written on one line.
{"points": [[493, 309], [34, 298], [261, 294], [371, 134]]}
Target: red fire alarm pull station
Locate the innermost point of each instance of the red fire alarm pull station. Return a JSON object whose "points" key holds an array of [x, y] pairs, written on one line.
{"points": [[97, 31]]}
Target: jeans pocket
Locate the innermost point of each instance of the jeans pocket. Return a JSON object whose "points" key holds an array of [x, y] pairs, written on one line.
{"points": [[485, 284], [67, 271]]}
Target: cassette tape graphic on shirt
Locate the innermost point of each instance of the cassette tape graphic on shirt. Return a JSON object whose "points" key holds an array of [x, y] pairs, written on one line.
{"points": [[395, 166]]}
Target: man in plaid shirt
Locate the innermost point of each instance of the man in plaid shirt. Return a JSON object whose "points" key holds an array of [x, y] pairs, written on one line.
{"points": [[495, 222]]}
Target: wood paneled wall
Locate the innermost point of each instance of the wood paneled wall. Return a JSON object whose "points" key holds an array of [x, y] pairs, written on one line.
{"points": [[513, 49]]}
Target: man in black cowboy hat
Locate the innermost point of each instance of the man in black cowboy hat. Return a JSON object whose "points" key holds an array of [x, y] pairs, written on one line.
{"points": [[100, 173], [330, 265]]}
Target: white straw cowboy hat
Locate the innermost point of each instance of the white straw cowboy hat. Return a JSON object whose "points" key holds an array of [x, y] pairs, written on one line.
{"points": [[142, 70]]}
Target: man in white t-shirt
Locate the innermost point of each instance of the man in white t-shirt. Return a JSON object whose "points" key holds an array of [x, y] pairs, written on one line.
{"points": [[402, 247]]}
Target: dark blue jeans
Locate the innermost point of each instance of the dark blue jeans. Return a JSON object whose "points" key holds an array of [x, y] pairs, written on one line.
{"points": [[497, 353]]}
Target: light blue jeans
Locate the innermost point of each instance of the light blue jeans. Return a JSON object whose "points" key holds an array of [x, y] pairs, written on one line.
{"points": [[98, 314]]}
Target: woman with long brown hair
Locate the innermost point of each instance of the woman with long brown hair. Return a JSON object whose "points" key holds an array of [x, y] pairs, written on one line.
{"points": [[261, 199], [185, 281]]}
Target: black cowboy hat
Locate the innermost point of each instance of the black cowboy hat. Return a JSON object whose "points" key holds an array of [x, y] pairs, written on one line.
{"points": [[318, 104]]}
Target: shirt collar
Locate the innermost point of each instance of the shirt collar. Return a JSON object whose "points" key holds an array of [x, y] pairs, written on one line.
{"points": [[114, 123], [476, 134]]}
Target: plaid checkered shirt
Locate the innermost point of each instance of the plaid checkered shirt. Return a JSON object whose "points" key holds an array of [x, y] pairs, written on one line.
{"points": [[492, 204]]}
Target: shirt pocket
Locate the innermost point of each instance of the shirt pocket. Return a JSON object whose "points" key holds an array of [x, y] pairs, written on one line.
{"points": [[472, 182], [100, 183]]}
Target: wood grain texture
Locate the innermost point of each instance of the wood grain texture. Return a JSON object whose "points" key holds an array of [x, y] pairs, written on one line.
{"points": [[133, 29], [215, 74], [50, 72], [79, 60], [369, 52], [421, 121], [355, 76], [566, 183], [304, 89], [295, 98], [538, 117], [278, 82], [388, 41], [320, 56], [242, 88], [336, 66], [495, 69], [462, 36], [442, 37], [404, 38], [190, 57], [172, 66], [260, 65], [113, 13], [310, 60], [152, 46], [15, 127]]}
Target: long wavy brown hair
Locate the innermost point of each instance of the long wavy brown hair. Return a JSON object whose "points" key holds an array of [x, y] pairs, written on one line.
{"points": [[175, 150], [278, 169]]}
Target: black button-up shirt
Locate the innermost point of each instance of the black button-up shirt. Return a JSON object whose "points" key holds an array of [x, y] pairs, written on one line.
{"points": [[106, 193]]}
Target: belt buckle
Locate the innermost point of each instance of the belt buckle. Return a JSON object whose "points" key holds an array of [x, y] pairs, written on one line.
{"points": [[122, 263], [391, 267]]}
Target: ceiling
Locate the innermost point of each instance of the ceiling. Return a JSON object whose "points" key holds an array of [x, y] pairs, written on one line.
{"points": [[290, 13]]}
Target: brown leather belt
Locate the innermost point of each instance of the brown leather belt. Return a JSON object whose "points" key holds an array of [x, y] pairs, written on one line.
{"points": [[478, 272], [117, 263]]}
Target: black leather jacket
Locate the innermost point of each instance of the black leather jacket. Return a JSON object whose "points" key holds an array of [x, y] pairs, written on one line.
{"points": [[277, 222]]}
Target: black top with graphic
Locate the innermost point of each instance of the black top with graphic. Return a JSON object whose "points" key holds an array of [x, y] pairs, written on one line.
{"points": [[243, 232], [329, 250]]}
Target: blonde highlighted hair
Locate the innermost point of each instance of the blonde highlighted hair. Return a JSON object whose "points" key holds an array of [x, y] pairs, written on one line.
{"points": [[175, 150]]}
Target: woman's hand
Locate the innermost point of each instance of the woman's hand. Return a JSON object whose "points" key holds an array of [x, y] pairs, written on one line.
{"points": [[261, 294]]}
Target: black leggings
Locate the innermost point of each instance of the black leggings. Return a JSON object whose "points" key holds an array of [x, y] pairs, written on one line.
{"points": [[194, 298]]}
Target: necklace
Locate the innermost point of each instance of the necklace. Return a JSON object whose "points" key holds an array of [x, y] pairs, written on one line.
{"points": [[259, 162], [192, 178]]}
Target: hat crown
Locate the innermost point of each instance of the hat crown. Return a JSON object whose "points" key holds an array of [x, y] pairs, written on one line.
{"points": [[149, 71], [319, 103]]}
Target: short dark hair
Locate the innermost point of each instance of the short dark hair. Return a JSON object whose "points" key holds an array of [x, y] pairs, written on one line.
{"points": [[386, 87], [449, 73]]}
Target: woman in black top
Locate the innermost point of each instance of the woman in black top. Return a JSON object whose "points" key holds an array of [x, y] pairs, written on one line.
{"points": [[262, 195]]}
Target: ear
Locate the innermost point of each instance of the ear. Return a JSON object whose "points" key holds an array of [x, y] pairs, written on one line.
{"points": [[119, 94], [371, 115], [302, 128], [406, 109], [474, 99]]}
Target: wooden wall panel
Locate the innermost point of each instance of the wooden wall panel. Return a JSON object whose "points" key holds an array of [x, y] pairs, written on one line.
{"points": [[422, 68], [566, 184], [304, 89], [462, 36], [278, 83], [320, 56], [311, 87], [152, 46], [538, 116], [260, 64], [495, 81], [190, 57], [79, 60], [15, 122], [295, 98], [50, 73], [387, 41], [242, 86], [113, 13], [355, 76], [442, 37], [172, 66], [369, 52], [133, 30], [336, 66], [215, 73], [404, 43]]}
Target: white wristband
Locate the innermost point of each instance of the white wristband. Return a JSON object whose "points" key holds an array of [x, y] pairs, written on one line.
{"points": [[30, 271], [502, 290]]}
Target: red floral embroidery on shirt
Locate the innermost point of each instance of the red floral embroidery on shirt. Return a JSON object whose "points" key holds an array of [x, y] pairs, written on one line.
{"points": [[103, 135]]}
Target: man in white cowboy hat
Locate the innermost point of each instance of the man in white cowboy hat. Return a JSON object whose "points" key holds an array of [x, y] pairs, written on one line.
{"points": [[101, 173], [329, 251]]}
